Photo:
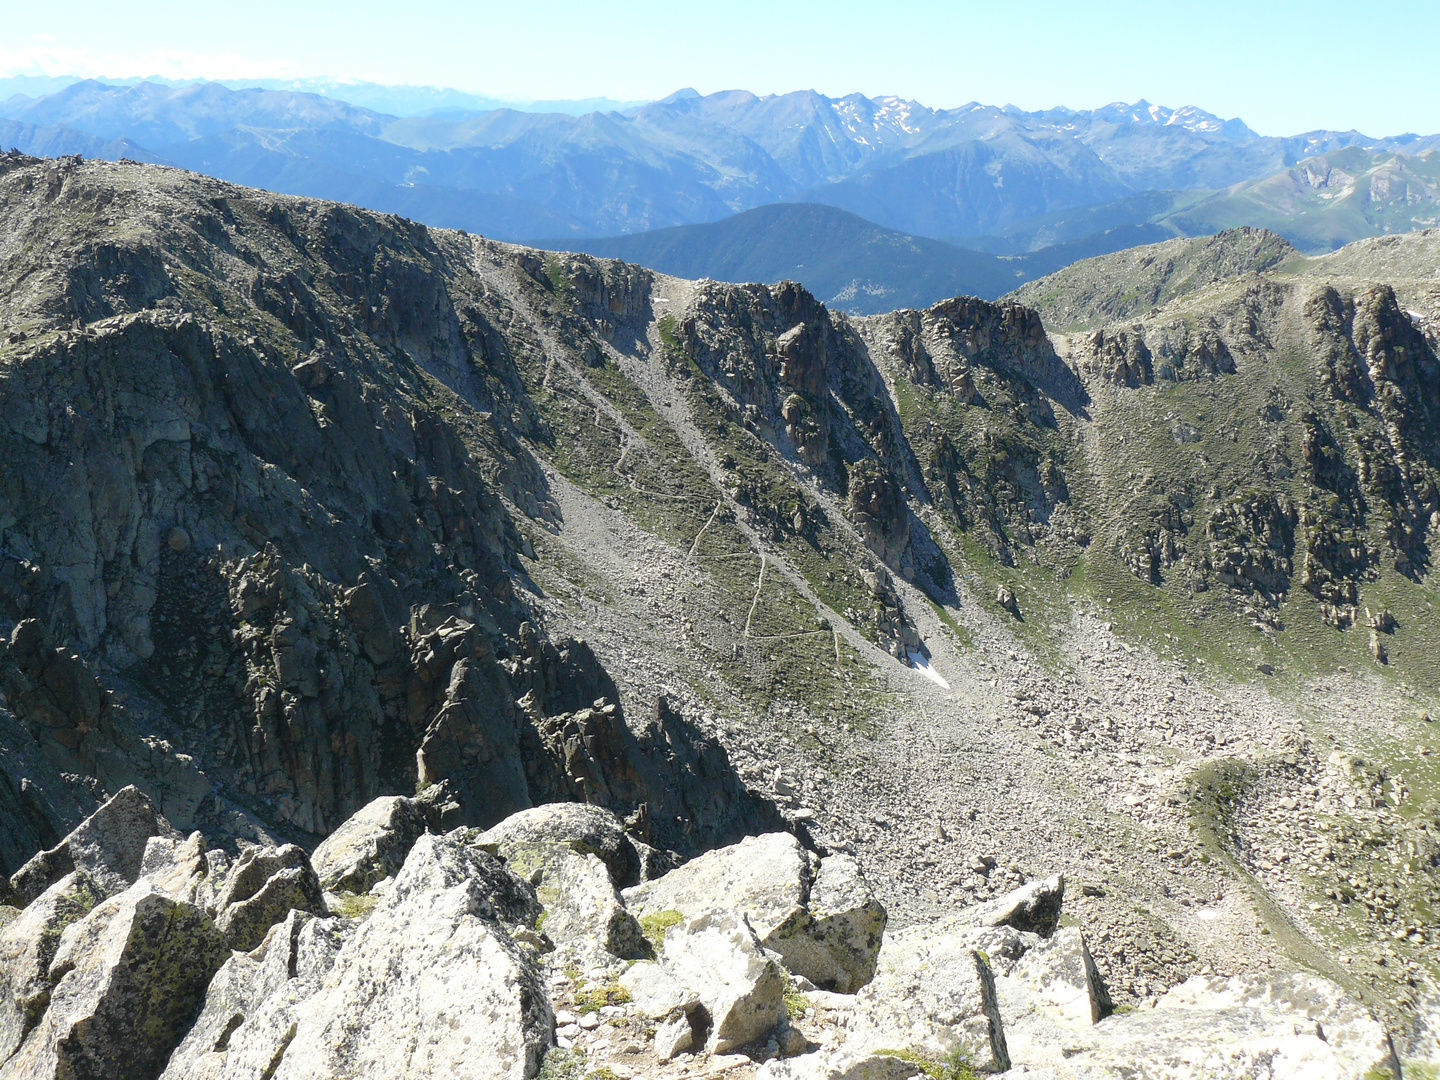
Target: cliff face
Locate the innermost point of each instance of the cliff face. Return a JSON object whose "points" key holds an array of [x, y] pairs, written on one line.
{"points": [[251, 474]]}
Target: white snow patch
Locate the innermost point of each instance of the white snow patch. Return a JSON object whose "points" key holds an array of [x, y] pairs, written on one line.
{"points": [[923, 667]]}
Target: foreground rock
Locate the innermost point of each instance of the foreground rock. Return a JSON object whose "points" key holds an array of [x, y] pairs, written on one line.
{"points": [[1288, 1027], [840, 1065], [109, 846], [127, 979], [1033, 908], [249, 1017], [370, 846], [820, 916], [935, 993], [28, 945], [261, 889], [584, 913], [431, 985], [719, 957], [586, 830]]}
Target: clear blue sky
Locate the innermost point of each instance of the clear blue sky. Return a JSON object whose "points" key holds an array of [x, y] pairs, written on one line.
{"points": [[1280, 65]]}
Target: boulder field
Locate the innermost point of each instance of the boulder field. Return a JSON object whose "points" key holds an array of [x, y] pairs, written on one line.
{"points": [[556, 944]]}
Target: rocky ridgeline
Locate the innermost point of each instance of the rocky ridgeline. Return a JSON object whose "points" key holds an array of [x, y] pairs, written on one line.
{"points": [[557, 944], [315, 523]]}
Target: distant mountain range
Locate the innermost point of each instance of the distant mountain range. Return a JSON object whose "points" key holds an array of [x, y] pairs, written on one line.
{"points": [[396, 100], [973, 171], [934, 201], [851, 264]]}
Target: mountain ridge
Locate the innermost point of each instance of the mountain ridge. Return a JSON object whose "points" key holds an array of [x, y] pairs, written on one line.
{"points": [[307, 504], [691, 158]]}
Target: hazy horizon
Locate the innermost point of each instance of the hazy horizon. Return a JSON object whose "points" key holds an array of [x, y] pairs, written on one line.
{"points": [[1272, 66]]}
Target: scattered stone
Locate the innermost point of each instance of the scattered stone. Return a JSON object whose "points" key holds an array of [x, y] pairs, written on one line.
{"points": [[673, 1037]]}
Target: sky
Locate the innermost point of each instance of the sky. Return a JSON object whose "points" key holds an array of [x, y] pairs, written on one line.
{"points": [[1281, 66]]}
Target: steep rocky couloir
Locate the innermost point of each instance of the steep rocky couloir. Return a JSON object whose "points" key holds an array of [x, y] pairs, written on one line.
{"points": [[262, 461]]}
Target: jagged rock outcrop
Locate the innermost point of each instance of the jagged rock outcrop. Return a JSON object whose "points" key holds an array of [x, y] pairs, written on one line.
{"points": [[261, 889], [126, 982], [936, 993], [583, 909], [1254, 1026], [288, 526], [432, 983], [442, 972], [584, 829], [248, 1020], [27, 947], [108, 847], [719, 956]]}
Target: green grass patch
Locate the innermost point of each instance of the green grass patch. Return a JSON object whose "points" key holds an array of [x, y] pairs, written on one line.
{"points": [[958, 1064], [562, 1064], [795, 1002], [597, 997], [355, 906], [654, 926]]}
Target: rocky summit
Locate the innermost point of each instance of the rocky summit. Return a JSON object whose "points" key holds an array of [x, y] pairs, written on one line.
{"points": [[422, 656]]}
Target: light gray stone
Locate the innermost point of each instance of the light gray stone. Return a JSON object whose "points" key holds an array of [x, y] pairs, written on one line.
{"points": [[839, 1065], [719, 957], [431, 985], [654, 992], [262, 887], [588, 830], [109, 846], [128, 979], [821, 917], [1034, 908], [28, 945], [371, 844], [583, 910], [1061, 977], [673, 1037], [765, 877], [248, 1019], [1285, 1027], [836, 945], [933, 992]]}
